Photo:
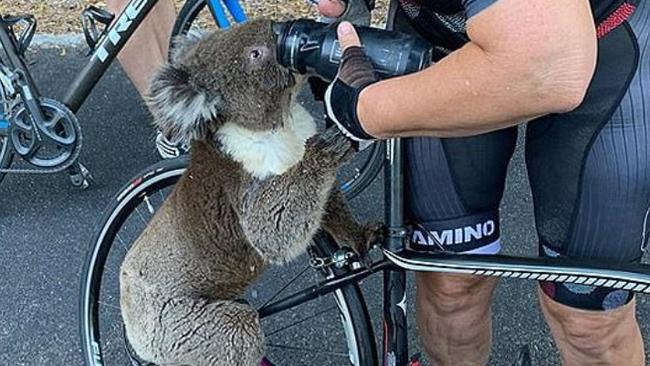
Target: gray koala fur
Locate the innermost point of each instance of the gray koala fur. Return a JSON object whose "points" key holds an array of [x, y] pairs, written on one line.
{"points": [[258, 187]]}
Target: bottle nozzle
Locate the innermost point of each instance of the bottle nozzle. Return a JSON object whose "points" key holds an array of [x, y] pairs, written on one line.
{"points": [[278, 28], [281, 29]]}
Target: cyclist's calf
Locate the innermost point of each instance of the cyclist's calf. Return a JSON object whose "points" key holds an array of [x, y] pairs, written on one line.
{"points": [[590, 337], [454, 317]]}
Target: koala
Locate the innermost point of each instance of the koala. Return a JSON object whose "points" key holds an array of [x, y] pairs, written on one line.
{"points": [[259, 185]]}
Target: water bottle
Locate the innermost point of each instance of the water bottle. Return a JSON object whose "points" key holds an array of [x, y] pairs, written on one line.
{"points": [[309, 47]]}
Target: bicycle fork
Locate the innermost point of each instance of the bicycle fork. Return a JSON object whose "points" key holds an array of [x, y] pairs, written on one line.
{"points": [[395, 341]]}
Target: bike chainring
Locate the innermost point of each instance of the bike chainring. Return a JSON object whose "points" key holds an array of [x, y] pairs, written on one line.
{"points": [[50, 146]]}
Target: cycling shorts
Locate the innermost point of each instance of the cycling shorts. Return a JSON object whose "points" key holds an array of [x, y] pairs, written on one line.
{"points": [[589, 172]]}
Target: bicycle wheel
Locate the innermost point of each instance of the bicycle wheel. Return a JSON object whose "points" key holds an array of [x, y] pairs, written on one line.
{"points": [[333, 329], [355, 176]]}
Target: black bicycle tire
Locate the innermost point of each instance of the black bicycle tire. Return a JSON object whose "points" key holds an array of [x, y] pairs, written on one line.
{"points": [[160, 175], [369, 169], [186, 17]]}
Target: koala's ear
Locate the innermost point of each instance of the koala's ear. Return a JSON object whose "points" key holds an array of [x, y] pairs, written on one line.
{"points": [[184, 44], [182, 110]]}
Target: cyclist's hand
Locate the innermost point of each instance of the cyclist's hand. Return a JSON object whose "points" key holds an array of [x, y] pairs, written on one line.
{"points": [[354, 11], [331, 8], [355, 74]]}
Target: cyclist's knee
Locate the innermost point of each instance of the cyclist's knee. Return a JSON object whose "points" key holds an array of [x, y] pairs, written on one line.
{"points": [[585, 297], [454, 293], [591, 332]]}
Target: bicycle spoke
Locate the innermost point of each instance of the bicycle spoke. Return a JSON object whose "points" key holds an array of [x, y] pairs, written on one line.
{"points": [[121, 242], [109, 305], [300, 321], [285, 287], [111, 271], [137, 209], [162, 198]]}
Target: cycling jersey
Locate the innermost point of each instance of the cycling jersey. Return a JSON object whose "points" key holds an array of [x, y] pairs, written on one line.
{"points": [[589, 170]]}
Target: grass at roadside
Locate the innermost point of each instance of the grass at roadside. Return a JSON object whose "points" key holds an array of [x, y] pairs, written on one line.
{"points": [[62, 16]]}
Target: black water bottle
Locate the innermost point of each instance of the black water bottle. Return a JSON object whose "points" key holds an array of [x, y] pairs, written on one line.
{"points": [[310, 47]]}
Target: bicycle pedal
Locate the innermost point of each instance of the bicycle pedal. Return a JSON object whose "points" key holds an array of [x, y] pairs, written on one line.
{"points": [[82, 177], [89, 19]]}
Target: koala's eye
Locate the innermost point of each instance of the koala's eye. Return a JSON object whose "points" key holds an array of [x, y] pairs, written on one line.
{"points": [[256, 54]]}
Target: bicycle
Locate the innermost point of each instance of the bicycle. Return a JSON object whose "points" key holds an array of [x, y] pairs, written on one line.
{"points": [[334, 284], [46, 135]]}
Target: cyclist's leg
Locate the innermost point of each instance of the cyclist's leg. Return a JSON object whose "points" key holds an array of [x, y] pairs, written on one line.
{"points": [[589, 174], [452, 185], [454, 315], [146, 50]]}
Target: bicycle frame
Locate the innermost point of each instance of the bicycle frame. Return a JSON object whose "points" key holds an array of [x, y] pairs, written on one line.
{"points": [[116, 36], [119, 32], [219, 13]]}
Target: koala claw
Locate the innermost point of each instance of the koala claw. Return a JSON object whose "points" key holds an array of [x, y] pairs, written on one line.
{"points": [[374, 233]]}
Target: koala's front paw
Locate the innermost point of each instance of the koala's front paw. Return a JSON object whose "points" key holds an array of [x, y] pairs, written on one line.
{"points": [[331, 145], [373, 233]]}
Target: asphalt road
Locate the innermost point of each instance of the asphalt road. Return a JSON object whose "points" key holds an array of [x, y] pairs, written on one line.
{"points": [[46, 224]]}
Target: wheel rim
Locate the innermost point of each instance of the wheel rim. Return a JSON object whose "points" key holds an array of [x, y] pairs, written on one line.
{"points": [[103, 333]]}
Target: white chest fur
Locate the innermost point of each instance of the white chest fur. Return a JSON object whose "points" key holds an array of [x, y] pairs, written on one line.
{"points": [[267, 153]]}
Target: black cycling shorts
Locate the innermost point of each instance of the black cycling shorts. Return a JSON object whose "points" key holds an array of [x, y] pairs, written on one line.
{"points": [[589, 172]]}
